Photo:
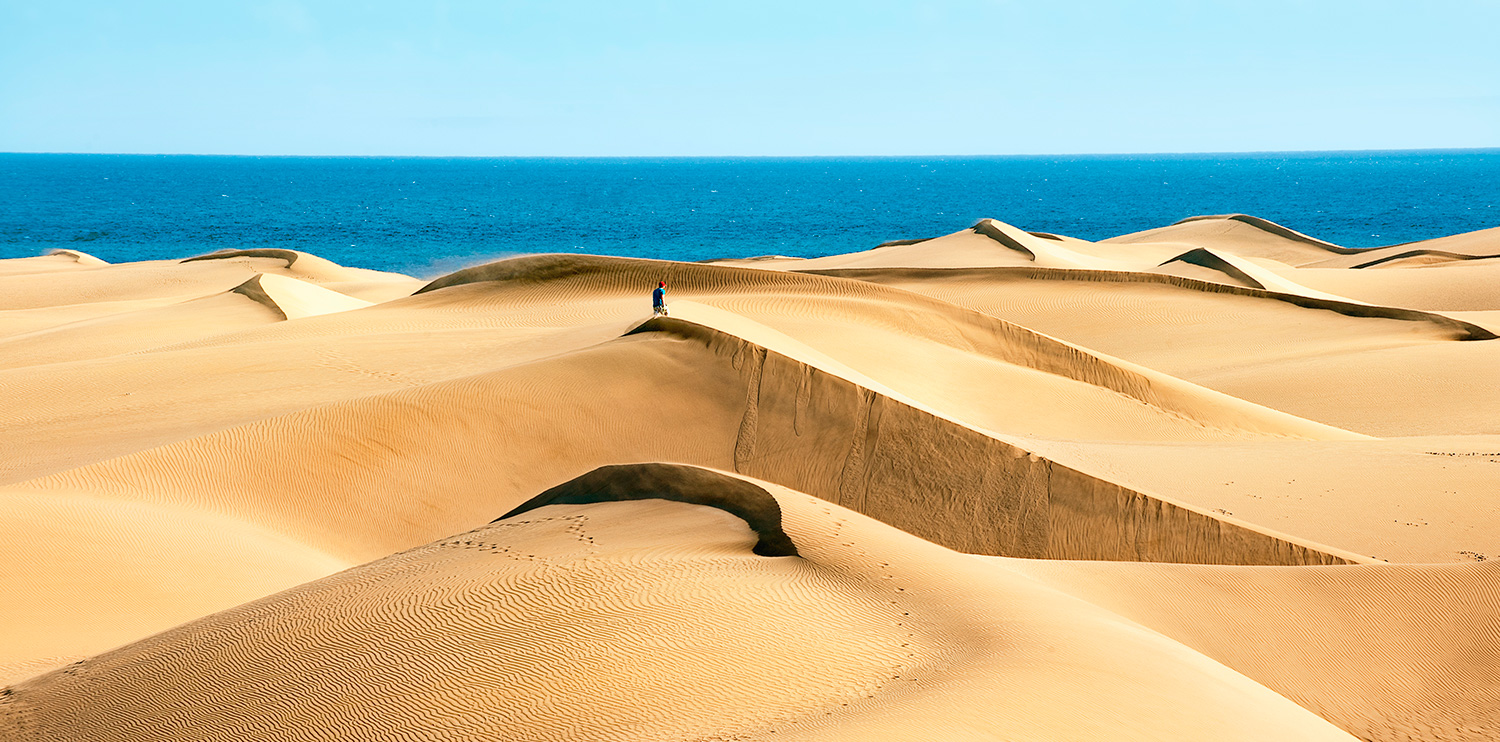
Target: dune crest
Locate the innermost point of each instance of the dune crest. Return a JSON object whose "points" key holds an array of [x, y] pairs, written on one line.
{"points": [[1240, 234], [1039, 249], [692, 485], [1266, 225], [1418, 257], [1249, 274], [871, 633], [78, 256], [1254, 237], [1456, 329], [1219, 480], [294, 299]]}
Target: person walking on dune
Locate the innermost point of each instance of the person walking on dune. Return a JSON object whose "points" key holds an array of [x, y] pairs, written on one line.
{"points": [[659, 299]]}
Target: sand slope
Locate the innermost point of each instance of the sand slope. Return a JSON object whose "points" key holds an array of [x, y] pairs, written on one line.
{"points": [[1326, 638], [1283, 351], [86, 575], [574, 621], [1243, 235], [1187, 455], [354, 478]]}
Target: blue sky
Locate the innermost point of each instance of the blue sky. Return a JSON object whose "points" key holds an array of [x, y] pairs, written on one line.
{"points": [[567, 77]]}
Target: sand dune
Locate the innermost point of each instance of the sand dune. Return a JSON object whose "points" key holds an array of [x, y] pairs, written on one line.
{"points": [[353, 479], [1419, 257], [1324, 635], [968, 247], [869, 633], [130, 331], [182, 360], [1246, 236], [258, 495], [83, 282], [1444, 286], [1290, 353], [294, 299], [989, 243], [1246, 273], [300, 265], [129, 281], [713, 375], [57, 260], [1403, 499], [86, 574], [896, 337], [1484, 243]]}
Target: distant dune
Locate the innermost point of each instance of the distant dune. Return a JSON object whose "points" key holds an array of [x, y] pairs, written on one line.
{"points": [[1217, 480]]}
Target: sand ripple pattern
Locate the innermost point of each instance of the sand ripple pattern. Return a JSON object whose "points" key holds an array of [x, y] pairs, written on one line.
{"points": [[596, 622]]}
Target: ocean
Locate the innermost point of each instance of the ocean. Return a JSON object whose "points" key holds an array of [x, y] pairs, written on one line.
{"points": [[428, 216]]}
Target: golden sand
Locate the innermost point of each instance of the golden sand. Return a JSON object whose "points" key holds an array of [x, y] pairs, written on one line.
{"points": [[1218, 480]]}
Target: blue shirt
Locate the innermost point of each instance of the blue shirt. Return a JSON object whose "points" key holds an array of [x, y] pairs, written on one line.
{"points": [[659, 297]]}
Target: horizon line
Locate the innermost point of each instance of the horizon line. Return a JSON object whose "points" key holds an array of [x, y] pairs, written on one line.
{"points": [[1495, 149]]}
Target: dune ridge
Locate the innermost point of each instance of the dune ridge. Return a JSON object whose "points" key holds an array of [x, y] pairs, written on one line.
{"points": [[1252, 237], [78, 256], [1484, 243], [1459, 329], [1407, 256], [290, 256], [875, 609], [1273, 353], [1004, 499], [294, 299], [618, 483], [1266, 225], [1252, 275], [1041, 253], [856, 449], [1213, 481], [970, 331]]}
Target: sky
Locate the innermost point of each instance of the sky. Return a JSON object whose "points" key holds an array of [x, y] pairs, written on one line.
{"points": [[765, 78]]}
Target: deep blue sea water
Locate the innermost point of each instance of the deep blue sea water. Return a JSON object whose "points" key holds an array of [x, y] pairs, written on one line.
{"points": [[428, 216]]}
